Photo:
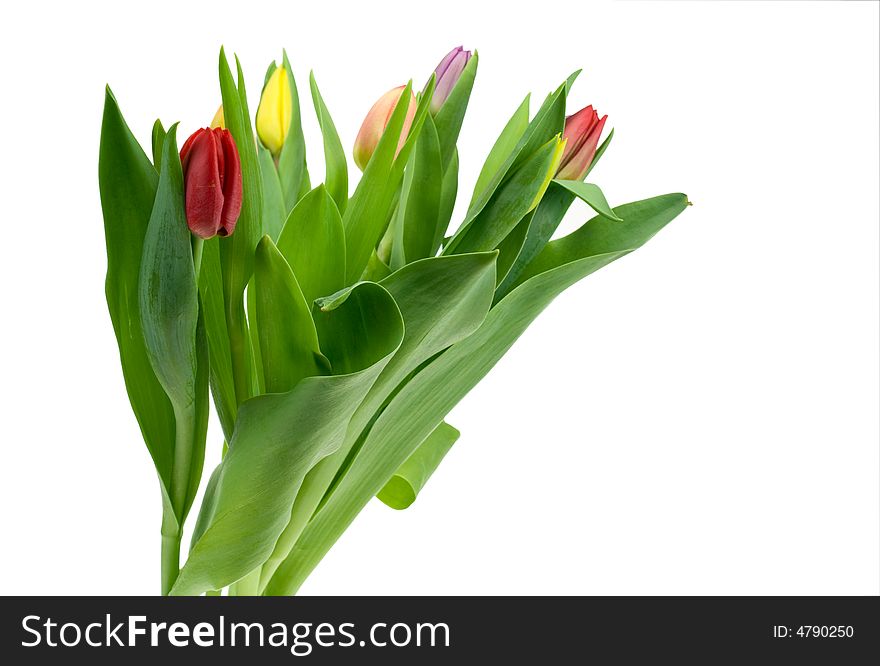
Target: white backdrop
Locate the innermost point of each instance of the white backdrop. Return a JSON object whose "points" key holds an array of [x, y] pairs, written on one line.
{"points": [[699, 418]]}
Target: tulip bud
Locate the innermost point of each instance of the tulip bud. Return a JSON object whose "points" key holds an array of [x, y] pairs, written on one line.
{"points": [[375, 122], [275, 110], [582, 131], [211, 182], [219, 120], [447, 74]]}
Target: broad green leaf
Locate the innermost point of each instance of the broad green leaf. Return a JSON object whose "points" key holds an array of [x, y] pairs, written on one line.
{"points": [[278, 438], [503, 147], [168, 293], [336, 166], [420, 405], [591, 195], [346, 324], [274, 208], [313, 243], [174, 337], [464, 284], [402, 489], [419, 200], [449, 118], [516, 197], [603, 236], [128, 187], [158, 141], [292, 159], [288, 341]]}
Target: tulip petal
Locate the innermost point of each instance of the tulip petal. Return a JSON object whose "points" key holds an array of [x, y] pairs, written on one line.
{"points": [[231, 180]]}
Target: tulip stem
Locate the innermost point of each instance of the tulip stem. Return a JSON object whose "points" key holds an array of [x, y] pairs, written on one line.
{"points": [[170, 550], [197, 245], [238, 348]]}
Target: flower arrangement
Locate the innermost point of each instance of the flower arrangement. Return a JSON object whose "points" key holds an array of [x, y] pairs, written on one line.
{"points": [[334, 332]]}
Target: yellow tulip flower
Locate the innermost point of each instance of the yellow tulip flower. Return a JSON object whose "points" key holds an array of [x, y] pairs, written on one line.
{"points": [[274, 112]]}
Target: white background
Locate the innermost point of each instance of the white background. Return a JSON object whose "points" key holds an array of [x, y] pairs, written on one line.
{"points": [[699, 418]]}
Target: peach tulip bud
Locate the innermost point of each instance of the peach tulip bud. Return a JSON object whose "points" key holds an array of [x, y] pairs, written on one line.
{"points": [[375, 122]]}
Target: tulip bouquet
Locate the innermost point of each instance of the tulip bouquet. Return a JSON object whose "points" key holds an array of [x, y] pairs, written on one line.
{"points": [[334, 332]]}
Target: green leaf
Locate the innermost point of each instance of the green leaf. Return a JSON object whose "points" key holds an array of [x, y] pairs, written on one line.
{"points": [[213, 309], [313, 243], [465, 283], [510, 248], [448, 193], [292, 158], [549, 213], [336, 178], [274, 208], [602, 236], [449, 118], [516, 197], [502, 149], [591, 195], [420, 405], [128, 185], [237, 250], [158, 141], [277, 439], [599, 152], [419, 200], [545, 220], [172, 329], [569, 82], [547, 123], [288, 341], [402, 489], [168, 293], [346, 323]]}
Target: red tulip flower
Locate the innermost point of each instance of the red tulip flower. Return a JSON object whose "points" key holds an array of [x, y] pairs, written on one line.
{"points": [[582, 132], [211, 182]]}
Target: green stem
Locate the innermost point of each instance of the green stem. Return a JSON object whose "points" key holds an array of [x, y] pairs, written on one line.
{"points": [[170, 551], [198, 246], [184, 425], [249, 586], [238, 349]]}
